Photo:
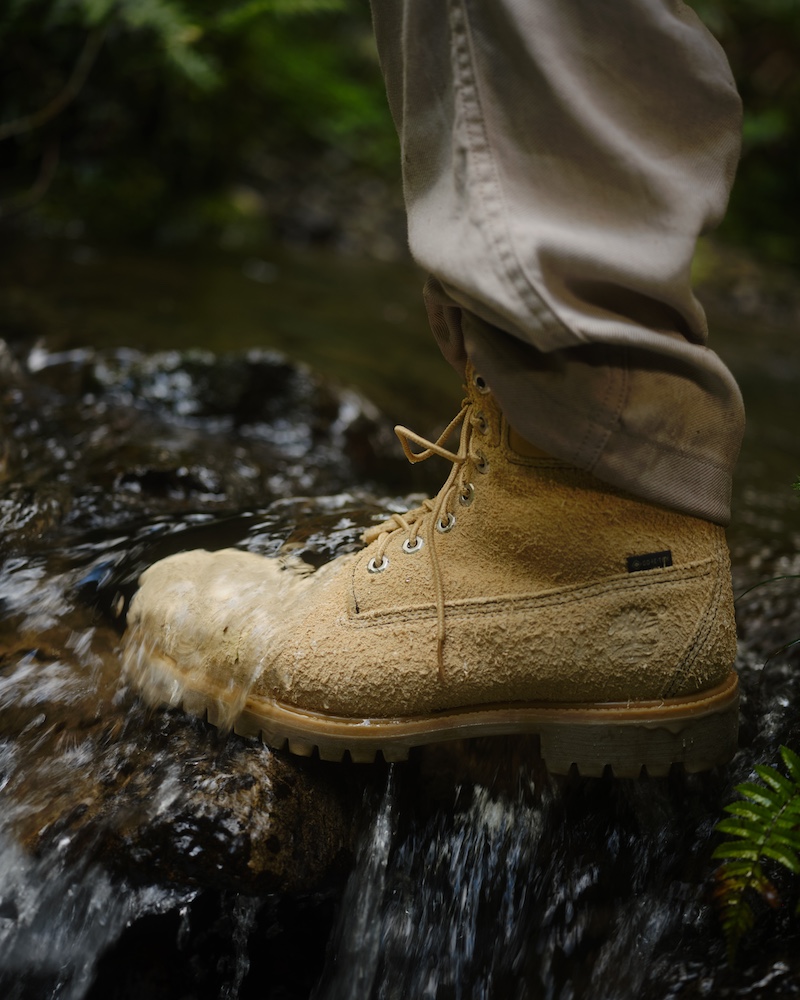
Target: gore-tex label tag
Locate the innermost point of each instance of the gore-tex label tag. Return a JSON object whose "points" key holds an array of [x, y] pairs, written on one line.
{"points": [[650, 560]]}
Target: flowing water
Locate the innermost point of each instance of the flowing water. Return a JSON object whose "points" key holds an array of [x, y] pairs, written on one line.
{"points": [[145, 855]]}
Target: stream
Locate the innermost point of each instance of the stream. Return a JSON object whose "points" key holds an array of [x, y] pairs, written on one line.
{"points": [[154, 404]]}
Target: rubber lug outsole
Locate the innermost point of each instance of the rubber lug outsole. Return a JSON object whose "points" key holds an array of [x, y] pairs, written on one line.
{"points": [[697, 732]]}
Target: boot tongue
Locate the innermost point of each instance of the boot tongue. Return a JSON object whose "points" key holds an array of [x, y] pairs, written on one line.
{"points": [[478, 390], [520, 446]]}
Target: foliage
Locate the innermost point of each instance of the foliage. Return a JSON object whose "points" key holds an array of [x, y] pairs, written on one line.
{"points": [[765, 827], [174, 30], [139, 116], [184, 102], [761, 39]]}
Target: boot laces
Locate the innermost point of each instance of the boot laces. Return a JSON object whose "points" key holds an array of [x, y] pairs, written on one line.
{"points": [[435, 514]]}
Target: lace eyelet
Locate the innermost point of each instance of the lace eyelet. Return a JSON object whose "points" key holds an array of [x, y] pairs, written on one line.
{"points": [[467, 495], [480, 384], [445, 524], [410, 547], [481, 463], [482, 423], [377, 567]]}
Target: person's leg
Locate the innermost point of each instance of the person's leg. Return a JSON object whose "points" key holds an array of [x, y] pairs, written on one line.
{"points": [[559, 161], [568, 580]]}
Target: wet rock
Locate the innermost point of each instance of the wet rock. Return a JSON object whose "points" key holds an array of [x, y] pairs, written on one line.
{"points": [[116, 459], [155, 796], [28, 513], [191, 812], [91, 776], [123, 434]]}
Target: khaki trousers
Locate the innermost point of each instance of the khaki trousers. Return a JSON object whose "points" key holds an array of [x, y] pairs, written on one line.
{"points": [[560, 159]]}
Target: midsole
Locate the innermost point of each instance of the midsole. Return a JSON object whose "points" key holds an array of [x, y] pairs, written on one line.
{"points": [[673, 714]]}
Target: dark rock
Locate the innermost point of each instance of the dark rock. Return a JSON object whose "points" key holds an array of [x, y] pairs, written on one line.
{"points": [[119, 458], [96, 437], [156, 796]]}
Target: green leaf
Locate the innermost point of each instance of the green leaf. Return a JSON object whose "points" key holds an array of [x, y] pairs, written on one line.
{"points": [[736, 850], [733, 869], [96, 11], [790, 758], [736, 827], [763, 128], [784, 856], [774, 779], [757, 793], [237, 17], [766, 824], [790, 815], [781, 839], [177, 35], [750, 810]]}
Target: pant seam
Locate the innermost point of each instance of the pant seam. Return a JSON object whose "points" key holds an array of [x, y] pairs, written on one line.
{"points": [[486, 176]]}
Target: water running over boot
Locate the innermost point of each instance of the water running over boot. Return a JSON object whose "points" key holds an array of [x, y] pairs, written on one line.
{"points": [[526, 597]]}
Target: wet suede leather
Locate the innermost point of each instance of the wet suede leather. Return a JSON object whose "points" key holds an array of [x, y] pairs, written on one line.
{"points": [[539, 604]]}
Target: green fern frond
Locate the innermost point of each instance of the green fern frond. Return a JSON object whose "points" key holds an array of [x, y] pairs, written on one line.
{"points": [[766, 583], [735, 881], [792, 762], [765, 823], [236, 17]]}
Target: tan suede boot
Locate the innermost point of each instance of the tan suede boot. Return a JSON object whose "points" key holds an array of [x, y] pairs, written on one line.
{"points": [[526, 597]]}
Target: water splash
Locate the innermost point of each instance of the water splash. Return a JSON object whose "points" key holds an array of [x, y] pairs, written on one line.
{"points": [[553, 890], [245, 911], [418, 904], [357, 939], [202, 626], [56, 920]]}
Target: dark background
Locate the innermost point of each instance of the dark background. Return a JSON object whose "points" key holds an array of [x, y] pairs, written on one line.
{"points": [[170, 124]]}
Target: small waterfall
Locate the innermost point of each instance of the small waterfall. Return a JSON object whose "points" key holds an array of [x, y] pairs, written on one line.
{"points": [[419, 902], [57, 919], [357, 939], [244, 912], [552, 889]]}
